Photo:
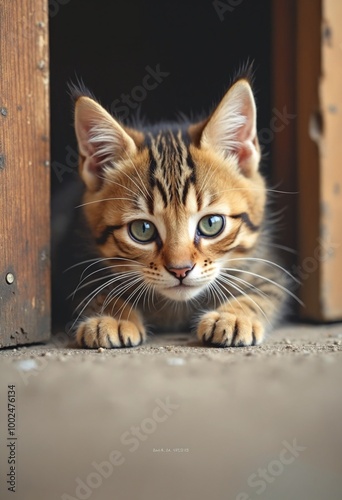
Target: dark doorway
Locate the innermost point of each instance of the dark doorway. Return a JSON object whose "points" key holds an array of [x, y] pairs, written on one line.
{"points": [[198, 44]]}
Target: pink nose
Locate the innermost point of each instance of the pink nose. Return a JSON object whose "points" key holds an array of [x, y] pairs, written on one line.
{"points": [[180, 272]]}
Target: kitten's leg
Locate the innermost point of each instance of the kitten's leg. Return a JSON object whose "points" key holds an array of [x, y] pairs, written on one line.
{"points": [[242, 321], [115, 328]]}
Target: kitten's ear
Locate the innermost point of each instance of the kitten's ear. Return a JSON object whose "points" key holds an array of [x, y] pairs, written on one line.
{"points": [[101, 140], [231, 129]]}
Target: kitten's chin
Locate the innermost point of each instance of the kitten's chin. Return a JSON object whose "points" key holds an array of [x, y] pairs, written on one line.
{"points": [[181, 293]]}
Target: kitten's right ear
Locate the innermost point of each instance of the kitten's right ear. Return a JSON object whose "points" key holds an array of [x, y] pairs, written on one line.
{"points": [[102, 141], [231, 129]]}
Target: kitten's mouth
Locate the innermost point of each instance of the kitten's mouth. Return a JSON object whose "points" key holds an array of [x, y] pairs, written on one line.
{"points": [[181, 292]]}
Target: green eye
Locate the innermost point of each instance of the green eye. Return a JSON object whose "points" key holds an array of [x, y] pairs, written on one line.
{"points": [[211, 225], [143, 231]]}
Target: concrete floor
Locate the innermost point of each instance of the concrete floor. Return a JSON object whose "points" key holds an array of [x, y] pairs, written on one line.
{"points": [[175, 420]]}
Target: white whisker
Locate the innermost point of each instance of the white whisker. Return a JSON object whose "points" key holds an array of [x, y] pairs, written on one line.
{"points": [[283, 247], [233, 297], [138, 187], [127, 300], [107, 268], [257, 189], [102, 200], [142, 183], [217, 294], [258, 259], [118, 184], [210, 172], [78, 288], [120, 289], [268, 281], [255, 290], [247, 296], [91, 297], [98, 261], [83, 262], [85, 285], [136, 300], [94, 293]]}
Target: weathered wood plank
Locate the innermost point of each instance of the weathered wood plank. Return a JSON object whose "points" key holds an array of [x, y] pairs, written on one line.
{"points": [[330, 156], [24, 173], [319, 83]]}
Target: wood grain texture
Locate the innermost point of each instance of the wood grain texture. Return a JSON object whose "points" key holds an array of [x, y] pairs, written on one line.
{"points": [[24, 173], [330, 156], [319, 98]]}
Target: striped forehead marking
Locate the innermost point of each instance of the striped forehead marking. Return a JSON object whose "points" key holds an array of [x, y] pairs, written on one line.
{"points": [[172, 170]]}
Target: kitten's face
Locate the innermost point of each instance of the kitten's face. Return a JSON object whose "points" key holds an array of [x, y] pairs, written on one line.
{"points": [[173, 208]]}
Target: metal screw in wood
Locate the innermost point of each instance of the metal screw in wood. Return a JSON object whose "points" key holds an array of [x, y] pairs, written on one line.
{"points": [[10, 278]]}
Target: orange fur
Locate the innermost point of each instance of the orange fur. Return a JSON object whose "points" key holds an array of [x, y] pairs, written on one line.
{"points": [[171, 182]]}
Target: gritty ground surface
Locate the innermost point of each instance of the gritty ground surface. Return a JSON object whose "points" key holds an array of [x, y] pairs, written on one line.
{"points": [[175, 420]]}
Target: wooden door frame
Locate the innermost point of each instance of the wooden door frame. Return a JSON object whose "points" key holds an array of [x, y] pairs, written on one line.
{"points": [[307, 76], [24, 173]]}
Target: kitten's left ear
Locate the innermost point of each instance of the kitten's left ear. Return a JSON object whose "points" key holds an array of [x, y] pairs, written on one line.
{"points": [[101, 141], [231, 129]]}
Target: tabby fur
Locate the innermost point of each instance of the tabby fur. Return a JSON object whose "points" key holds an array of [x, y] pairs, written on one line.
{"points": [[196, 193]]}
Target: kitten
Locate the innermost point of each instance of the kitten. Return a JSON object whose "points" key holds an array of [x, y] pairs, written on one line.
{"points": [[175, 217]]}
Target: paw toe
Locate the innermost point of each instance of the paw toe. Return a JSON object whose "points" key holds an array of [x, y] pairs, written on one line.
{"points": [[226, 329], [109, 333]]}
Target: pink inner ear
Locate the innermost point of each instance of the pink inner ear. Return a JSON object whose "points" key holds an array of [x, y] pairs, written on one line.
{"points": [[87, 149], [246, 136], [98, 159], [244, 152], [95, 159], [247, 132], [94, 165]]}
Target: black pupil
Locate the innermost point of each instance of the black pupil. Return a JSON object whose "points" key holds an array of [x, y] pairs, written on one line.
{"points": [[143, 230], [211, 225]]}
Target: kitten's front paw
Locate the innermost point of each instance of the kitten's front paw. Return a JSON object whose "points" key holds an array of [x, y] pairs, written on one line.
{"points": [[223, 329], [108, 332]]}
